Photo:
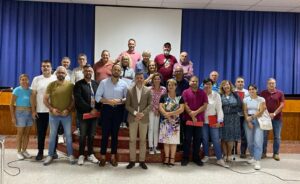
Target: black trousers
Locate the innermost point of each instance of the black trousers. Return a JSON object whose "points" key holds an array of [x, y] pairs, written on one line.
{"points": [[192, 133], [42, 123], [111, 118], [87, 130], [243, 136]]}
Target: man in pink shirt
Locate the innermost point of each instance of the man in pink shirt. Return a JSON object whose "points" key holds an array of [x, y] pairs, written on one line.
{"points": [[196, 102], [135, 56]]}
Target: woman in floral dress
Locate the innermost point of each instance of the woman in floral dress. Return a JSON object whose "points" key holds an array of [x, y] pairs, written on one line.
{"points": [[170, 106]]}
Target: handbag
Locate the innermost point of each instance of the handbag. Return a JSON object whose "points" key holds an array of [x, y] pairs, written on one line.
{"points": [[265, 121]]}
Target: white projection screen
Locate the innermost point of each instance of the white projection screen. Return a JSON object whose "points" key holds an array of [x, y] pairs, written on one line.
{"points": [[150, 27]]}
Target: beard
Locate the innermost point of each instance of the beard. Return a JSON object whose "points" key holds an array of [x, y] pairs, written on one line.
{"points": [[61, 77], [88, 76]]}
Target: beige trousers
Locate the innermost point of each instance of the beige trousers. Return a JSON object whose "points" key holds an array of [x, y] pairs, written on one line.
{"points": [[133, 130]]}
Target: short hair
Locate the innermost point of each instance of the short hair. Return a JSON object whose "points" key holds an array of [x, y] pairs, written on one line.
{"points": [[167, 44], [23, 75], [221, 86], [65, 58], [194, 77], [131, 39], [240, 77], [155, 75], [253, 85], [81, 55], [61, 67], [46, 61], [271, 78], [207, 80], [139, 73], [171, 81], [116, 64], [146, 52], [87, 66], [105, 51]]}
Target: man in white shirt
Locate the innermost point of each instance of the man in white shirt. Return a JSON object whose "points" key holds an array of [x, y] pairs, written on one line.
{"points": [[243, 93], [41, 112]]}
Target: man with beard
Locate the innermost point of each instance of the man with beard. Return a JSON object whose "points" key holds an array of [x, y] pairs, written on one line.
{"points": [[195, 105], [59, 100], [165, 63], [39, 110], [84, 94], [112, 94]]}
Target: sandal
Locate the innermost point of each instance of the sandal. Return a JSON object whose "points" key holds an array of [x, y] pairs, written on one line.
{"points": [[166, 162], [172, 163]]}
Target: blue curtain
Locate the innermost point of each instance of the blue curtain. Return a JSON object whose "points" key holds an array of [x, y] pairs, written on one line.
{"points": [[31, 32], [256, 45]]}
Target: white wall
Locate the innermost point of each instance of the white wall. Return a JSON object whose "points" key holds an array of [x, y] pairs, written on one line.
{"points": [[151, 28]]}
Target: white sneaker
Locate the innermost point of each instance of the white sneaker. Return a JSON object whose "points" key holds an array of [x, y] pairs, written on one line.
{"points": [[257, 165], [76, 132], [93, 159], [151, 151], [72, 159], [205, 159], [20, 156], [251, 161], [80, 160], [61, 139], [48, 160], [156, 151], [26, 154], [222, 163]]}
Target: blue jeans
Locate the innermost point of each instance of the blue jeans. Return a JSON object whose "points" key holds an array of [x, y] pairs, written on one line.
{"points": [[213, 134], [277, 125], [255, 139], [66, 122]]}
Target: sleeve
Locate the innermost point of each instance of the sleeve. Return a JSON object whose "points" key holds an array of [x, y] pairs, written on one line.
{"points": [[15, 91], [49, 87], [33, 84], [162, 99], [191, 69], [281, 97], [219, 109], [80, 103], [181, 101], [99, 92]]}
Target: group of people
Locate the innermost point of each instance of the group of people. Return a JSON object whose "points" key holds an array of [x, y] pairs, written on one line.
{"points": [[160, 98]]}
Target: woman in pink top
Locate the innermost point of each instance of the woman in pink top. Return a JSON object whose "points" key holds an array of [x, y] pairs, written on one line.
{"points": [[156, 91], [103, 67]]}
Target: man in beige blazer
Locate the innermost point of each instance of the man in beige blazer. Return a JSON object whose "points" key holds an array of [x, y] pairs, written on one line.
{"points": [[138, 104]]}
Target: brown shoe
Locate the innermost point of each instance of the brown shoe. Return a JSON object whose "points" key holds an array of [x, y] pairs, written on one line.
{"points": [[264, 155], [102, 162], [114, 162], [276, 157]]}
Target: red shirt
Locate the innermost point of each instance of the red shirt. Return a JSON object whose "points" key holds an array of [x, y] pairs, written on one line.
{"points": [[194, 99], [165, 66], [273, 100]]}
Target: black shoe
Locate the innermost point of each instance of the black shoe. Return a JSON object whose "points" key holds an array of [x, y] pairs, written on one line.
{"points": [[55, 155], [184, 162], [130, 165], [198, 162], [39, 156], [143, 165]]}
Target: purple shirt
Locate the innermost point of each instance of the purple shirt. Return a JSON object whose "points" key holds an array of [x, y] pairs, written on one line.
{"points": [[165, 66], [135, 57], [194, 100], [273, 100]]}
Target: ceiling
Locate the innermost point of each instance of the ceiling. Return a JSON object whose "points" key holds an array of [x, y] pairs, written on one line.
{"points": [[245, 5]]}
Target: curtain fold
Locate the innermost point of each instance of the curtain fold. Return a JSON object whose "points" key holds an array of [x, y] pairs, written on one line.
{"points": [[256, 45], [34, 31]]}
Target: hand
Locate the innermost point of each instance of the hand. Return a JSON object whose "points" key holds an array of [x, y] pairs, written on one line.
{"points": [[139, 115], [193, 113], [167, 115], [194, 119], [34, 115], [93, 111], [156, 113], [249, 119], [55, 112], [250, 125], [272, 115], [65, 112]]}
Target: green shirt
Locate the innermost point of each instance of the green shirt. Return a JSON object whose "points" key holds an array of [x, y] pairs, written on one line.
{"points": [[60, 95]]}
